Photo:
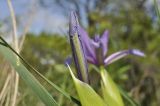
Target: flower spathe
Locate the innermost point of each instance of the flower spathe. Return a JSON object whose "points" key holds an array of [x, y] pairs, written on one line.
{"points": [[77, 48]]}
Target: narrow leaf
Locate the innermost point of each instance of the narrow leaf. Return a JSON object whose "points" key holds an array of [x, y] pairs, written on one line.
{"points": [[30, 80], [129, 99]]}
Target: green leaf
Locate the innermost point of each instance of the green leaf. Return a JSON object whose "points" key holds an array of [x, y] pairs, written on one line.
{"points": [[87, 96], [110, 91], [30, 80], [4, 43]]}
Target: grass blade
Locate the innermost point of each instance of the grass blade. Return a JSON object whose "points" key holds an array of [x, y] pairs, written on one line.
{"points": [[129, 99], [30, 80]]}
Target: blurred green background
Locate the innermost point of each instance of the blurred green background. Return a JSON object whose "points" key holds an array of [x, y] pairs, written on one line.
{"points": [[131, 24]]}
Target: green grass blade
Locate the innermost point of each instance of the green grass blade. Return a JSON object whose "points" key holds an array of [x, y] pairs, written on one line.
{"points": [[30, 80], [129, 99]]}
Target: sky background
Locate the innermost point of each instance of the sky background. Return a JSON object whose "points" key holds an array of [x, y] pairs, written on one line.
{"points": [[42, 19]]}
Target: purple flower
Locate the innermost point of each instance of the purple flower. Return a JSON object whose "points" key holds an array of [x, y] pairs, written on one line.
{"points": [[96, 49], [92, 50]]}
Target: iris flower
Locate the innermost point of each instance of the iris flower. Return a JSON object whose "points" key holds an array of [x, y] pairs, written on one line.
{"points": [[96, 49], [92, 50]]}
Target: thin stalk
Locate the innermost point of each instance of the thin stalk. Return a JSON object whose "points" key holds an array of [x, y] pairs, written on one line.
{"points": [[7, 103], [15, 42], [5, 94], [5, 86], [14, 25]]}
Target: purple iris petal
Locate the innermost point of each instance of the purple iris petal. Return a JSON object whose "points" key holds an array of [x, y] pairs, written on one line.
{"points": [[95, 43], [97, 38], [88, 49], [104, 41], [118, 55], [98, 49], [137, 52], [94, 46], [91, 60]]}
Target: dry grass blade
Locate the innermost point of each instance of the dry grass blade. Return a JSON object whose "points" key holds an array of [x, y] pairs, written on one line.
{"points": [[15, 42], [17, 45]]}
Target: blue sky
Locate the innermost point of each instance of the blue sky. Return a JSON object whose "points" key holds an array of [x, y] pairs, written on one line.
{"points": [[43, 19]]}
